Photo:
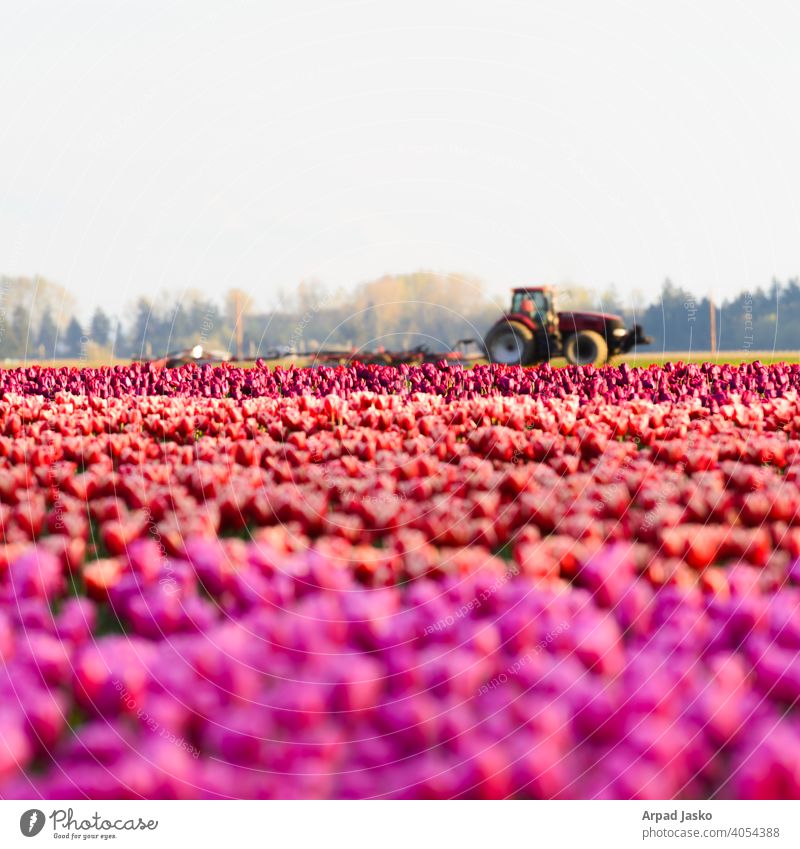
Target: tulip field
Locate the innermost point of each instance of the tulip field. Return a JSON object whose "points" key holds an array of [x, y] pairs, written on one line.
{"points": [[412, 582]]}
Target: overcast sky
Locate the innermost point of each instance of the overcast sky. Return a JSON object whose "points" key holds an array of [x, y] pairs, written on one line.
{"points": [[153, 145]]}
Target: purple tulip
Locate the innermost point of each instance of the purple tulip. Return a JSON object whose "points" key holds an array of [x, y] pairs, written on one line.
{"points": [[36, 574]]}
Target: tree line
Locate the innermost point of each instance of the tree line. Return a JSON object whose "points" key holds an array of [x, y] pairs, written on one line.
{"points": [[38, 319]]}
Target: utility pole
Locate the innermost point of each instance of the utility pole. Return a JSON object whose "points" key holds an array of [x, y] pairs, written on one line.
{"points": [[712, 317], [239, 327]]}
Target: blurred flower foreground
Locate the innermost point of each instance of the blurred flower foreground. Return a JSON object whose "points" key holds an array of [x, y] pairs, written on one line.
{"points": [[423, 582]]}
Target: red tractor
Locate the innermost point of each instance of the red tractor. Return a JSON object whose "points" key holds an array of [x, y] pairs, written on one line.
{"points": [[533, 332]]}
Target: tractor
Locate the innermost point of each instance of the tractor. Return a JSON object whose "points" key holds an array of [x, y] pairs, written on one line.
{"points": [[534, 332]]}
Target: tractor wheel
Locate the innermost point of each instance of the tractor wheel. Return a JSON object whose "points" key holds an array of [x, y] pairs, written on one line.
{"points": [[510, 343], [586, 348]]}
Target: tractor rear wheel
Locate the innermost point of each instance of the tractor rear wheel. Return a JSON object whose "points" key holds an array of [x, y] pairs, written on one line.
{"points": [[586, 348], [510, 343]]}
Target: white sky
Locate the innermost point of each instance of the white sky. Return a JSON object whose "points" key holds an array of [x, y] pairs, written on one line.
{"points": [[147, 145]]}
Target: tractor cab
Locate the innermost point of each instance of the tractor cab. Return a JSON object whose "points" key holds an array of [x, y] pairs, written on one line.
{"points": [[534, 302], [537, 303]]}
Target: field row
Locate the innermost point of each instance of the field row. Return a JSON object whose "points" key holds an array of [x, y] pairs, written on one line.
{"points": [[710, 382]]}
